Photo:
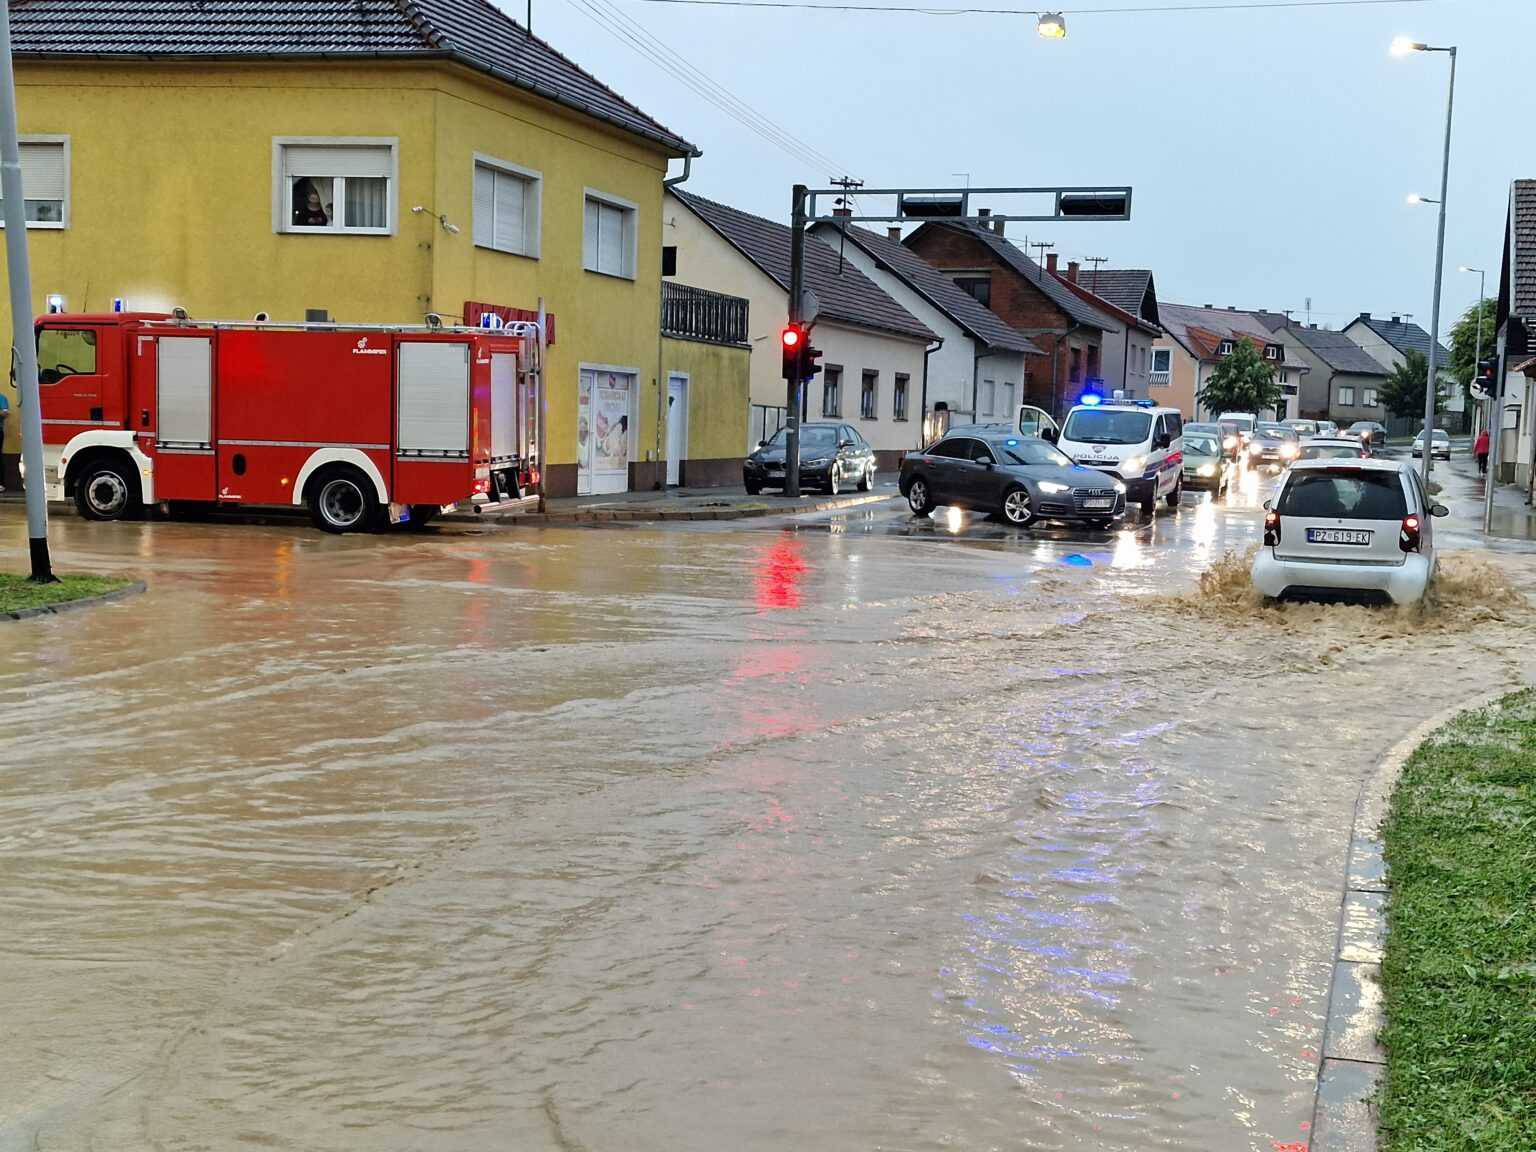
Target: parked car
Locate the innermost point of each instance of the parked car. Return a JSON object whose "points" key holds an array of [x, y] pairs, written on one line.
{"points": [[1332, 448], [1020, 478], [1272, 445], [1439, 444], [1362, 528], [833, 457], [1206, 464], [1368, 432], [1302, 428]]}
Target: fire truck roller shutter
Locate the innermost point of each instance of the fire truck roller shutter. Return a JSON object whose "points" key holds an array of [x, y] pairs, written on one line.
{"points": [[434, 399], [321, 457], [504, 446]]}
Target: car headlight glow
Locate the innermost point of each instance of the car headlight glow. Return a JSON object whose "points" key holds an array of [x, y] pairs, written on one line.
{"points": [[1133, 465], [1119, 487], [1255, 449], [1288, 449], [1229, 442], [1050, 487], [819, 462], [1206, 470]]}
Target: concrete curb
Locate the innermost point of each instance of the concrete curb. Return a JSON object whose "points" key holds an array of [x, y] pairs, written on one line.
{"points": [[1344, 1101], [647, 515], [70, 605]]}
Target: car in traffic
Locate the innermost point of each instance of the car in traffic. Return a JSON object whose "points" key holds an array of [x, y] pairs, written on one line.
{"points": [[1272, 445], [1332, 448], [1327, 428], [1439, 444], [1226, 435], [833, 458], [1206, 464], [1302, 428], [1348, 528], [1244, 422], [1369, 433], [1022, 479], [1132, 441]]}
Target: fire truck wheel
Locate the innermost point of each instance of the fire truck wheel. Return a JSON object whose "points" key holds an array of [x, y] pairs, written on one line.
{"points": [[341, 500], [106, 490]]}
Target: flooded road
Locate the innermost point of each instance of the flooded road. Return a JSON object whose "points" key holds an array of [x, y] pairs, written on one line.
{"points": [[851, 833]]}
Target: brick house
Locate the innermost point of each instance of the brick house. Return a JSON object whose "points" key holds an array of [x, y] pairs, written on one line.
{"points": [[1028, 298]]}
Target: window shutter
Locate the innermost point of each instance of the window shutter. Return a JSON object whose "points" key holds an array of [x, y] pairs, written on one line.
{"points": [[610, 239], [589, 236], [42, 171], [510, 205], [485, 206], [335, 160]]}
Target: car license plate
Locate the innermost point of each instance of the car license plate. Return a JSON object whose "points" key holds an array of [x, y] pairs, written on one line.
{"points": [[1091, 504], [1338, 536]]}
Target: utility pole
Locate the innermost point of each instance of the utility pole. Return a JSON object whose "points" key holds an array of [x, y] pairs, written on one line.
{"points": [[22, 337], [796, 291], [1095, 261], [1040, 263]]}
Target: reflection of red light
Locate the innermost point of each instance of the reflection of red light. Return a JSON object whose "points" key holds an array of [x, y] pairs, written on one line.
{"points": [[779, 571]]}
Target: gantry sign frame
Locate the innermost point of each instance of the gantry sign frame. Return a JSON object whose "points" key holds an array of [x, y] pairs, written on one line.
{"points": [[1069, 203]]}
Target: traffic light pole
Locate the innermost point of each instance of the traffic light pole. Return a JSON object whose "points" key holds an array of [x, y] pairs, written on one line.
{"points": [[792, 387]]}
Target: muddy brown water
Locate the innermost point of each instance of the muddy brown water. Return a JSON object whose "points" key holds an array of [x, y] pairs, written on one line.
{"points": [[687, 840]]}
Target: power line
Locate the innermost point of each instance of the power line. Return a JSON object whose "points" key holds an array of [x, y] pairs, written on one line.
{"points": [[921, 10], [619, 25]]}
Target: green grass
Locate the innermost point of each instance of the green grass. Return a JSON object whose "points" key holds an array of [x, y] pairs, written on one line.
{"points": [[1460, 969], [17, 592]]}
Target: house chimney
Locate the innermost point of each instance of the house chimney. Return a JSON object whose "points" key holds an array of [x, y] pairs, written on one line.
{"points": [[1208, 307], [844, 210], [1397, 319], [997, 226], [1313, 327], [1231, 308], [894, 232], [1365, 315], [1072, 269], [1050, 263], [983, 211]]}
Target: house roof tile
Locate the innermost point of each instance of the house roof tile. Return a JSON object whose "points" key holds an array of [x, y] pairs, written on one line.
{"points": [[1524, 221], [474, 33], [1125, 288], [1404, 335], [934, 286], [1058, 293], [845, 293], [1338, 351]]}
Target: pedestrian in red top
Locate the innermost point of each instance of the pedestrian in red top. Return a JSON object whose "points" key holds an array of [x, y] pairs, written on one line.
{"points": [[1480, 450]]}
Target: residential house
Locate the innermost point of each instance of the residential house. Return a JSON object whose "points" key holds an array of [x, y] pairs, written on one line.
{"points": [[1345, 382], [874, 350], [1195, 340], [1516, 339], [707, 358], [978, 372], [1128, 298], [1388, 342], [366, 161], [1028, 298]]}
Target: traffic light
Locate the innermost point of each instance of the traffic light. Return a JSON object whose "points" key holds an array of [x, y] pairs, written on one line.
{"points": [[809, 368], [1483, 384], [792, 341]]}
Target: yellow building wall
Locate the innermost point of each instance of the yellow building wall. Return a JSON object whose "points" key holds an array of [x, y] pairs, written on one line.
{"points": [[171, 187], [719, 378]]}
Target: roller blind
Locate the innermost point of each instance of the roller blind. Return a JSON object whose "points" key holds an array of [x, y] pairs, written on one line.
{"points": [[335, 160], [42, 171], [501, 209]]}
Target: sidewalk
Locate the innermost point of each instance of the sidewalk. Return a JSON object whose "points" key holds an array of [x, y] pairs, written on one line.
{"points": [[731, 503], [1463, 492]]}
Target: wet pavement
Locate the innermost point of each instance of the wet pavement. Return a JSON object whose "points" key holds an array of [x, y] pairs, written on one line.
{"points": [[849, 831]]}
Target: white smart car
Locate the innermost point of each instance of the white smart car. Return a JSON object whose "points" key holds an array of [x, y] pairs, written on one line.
{"points": [[1361, 528]]}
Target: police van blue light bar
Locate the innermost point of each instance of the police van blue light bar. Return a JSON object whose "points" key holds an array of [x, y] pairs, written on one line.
{"points": [[119, 304], [1090, 399]]}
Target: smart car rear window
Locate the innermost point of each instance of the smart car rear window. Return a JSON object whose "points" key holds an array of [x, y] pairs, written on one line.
{"points": [[1363, 495]]}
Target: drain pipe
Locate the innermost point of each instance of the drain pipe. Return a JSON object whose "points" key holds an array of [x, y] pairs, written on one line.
{"points": [[662, 384], [922, 434], [976, 384]]}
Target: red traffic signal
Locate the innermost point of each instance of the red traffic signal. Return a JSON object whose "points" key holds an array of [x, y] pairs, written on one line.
{"points": [[792, 341]]}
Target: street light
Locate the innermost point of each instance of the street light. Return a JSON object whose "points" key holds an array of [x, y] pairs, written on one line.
{"points": [[1491, 415], [1051, 26], [1401, 47], [1415, 198]]}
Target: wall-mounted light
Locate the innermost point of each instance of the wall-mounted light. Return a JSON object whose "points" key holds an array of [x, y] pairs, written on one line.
{"points": [[442, 218]]}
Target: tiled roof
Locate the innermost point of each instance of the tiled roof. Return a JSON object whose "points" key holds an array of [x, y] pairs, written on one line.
{"points": [[1401, 334], [845, 293], [1337, 350], [1125, 288], [1058, 293], [474, 33], [1113, 311], [934, 286], [1523, 202], [1184, 321]]}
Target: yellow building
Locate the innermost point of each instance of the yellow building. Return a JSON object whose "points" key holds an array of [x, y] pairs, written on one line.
{"points": [[364, 161]]}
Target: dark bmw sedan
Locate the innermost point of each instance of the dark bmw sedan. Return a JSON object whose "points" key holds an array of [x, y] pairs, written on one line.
{"points": [[1017, 477], [833, 458]]}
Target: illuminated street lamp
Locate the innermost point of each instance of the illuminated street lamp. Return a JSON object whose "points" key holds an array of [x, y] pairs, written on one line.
{"points": [[1402, 46], [1051, 26]]}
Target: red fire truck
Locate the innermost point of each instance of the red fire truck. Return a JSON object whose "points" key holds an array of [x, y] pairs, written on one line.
{"points": [[364, 425]]}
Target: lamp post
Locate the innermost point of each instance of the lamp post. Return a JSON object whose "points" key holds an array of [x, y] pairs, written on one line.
{"points": [[1482, 284], [1401, 47]]}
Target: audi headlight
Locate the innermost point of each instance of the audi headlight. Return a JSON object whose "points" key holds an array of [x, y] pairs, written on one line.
{"points": [[1206, 470], [1133, 465], [1119, 487], [1288, 449], [1051, 488]]}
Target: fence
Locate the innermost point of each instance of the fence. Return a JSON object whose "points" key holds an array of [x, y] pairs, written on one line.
{"points": [[764, 422]]}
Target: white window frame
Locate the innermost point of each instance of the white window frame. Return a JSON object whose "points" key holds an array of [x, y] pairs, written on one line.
{"points": [[1165, 352], [631, 254], [49, 138], [282, 189], [1226, 348], [533, 206], [1370, 398], [1272, 353], [1349, 388]]}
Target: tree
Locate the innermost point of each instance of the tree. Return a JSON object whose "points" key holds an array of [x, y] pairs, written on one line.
{"points": [[1241, 382], [1464, 341], [1403, 393]]}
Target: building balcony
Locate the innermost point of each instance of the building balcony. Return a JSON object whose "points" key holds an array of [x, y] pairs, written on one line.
{"points": [[1159, 379], [699, 314]]}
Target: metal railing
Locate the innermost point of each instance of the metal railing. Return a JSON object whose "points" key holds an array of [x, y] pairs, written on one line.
{"points": [[699, 314], [1159, 379]]}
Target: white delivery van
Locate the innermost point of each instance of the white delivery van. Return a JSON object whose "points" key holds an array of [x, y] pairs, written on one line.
{"points": [[1134, 440]]}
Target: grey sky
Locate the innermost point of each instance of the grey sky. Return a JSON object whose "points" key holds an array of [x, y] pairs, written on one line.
{"points": [[1270, 151]]}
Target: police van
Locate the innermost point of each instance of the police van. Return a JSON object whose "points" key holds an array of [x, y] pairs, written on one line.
{"points": [[1134, 440]]}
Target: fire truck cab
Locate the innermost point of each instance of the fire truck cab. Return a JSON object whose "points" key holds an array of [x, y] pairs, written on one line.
{"points": [[363, 425]]}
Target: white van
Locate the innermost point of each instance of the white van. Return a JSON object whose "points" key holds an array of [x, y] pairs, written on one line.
{"points": [[1134, 440]]}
